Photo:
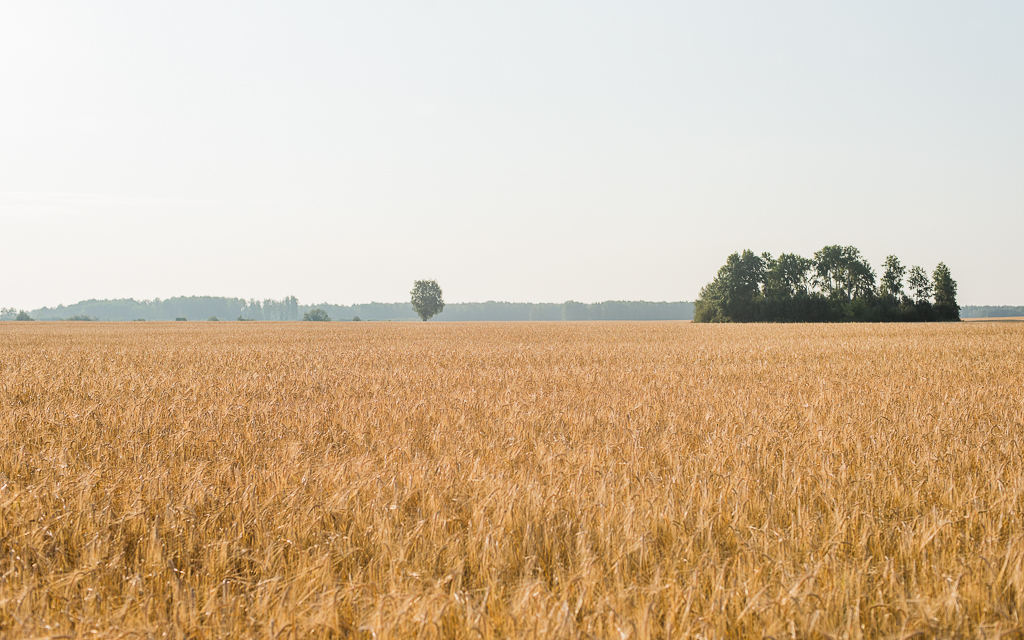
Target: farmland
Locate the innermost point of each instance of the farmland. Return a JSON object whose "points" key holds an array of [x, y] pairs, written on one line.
{"points": [[627, 480]]}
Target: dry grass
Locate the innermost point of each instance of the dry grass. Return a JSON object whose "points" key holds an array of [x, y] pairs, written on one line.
{"points": [[511, 480]]}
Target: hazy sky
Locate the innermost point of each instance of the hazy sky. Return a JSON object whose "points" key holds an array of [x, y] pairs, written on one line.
{"points": [[526, 151]]}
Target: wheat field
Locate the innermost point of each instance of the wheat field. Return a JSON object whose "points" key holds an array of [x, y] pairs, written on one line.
{"points": [[532, 480]]}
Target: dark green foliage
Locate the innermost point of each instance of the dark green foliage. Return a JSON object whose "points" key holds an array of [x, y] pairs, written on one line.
{"points": [[213, 319], [82, 318], [838, 285], [787, 277], [891, 285], [841, 273], [181, 319], [427, 299], [944, 287], [23, 317], [920, 285], [316, 315], [356, 319], [734, 292]]}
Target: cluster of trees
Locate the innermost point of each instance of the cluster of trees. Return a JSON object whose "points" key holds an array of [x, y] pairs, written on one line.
{"points": [[836, 285]]}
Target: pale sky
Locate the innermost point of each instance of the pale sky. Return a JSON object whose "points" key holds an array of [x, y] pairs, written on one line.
{"points": [[522, 151]]}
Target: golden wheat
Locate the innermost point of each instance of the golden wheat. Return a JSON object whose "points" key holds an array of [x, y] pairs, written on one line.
{"points": [[626, 480]]}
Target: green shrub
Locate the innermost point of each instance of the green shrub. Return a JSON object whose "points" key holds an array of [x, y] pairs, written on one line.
{"points": [[316, 315]]}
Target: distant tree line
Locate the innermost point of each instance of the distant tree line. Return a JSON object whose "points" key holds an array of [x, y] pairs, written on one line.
{"points": [[837, 285], [991, 312], [288, 309], [180, 308], [10, 313], [623, 310], [521, 311], [206, 307]]}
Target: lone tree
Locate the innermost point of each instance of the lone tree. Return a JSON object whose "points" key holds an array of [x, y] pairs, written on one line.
{"points": [[316, 315], [426, 299], [24, 317]]}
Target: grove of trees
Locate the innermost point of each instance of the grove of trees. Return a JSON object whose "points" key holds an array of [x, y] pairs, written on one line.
{"points": [[836, 285]]}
